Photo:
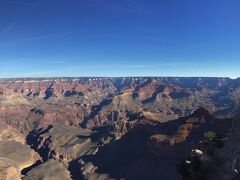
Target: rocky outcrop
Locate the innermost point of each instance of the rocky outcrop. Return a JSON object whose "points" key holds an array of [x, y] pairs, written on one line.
{"points": [[187, 133], [15, 156], [66, 145], [219, 158], [18, 155], [50, 170], [8, 133], [61, 142], [8, 172]]}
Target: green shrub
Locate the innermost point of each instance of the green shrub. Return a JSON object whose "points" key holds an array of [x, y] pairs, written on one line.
{"points": [[210, 135]]}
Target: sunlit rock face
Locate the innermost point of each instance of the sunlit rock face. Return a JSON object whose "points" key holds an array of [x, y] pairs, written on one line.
{"points": [[51, 169], [15, 155]]}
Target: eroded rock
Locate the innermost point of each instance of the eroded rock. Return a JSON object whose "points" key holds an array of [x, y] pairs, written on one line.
{"points": [[15, 155], [50, 170]]}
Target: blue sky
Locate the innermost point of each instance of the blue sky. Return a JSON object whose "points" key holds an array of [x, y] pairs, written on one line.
{"points": [[119, 38]]}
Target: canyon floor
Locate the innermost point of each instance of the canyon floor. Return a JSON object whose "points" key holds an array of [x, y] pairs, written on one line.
{"points": [[119, 128]]}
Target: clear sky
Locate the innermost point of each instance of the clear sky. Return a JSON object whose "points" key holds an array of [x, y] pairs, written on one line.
{"points": [[119, 38]]}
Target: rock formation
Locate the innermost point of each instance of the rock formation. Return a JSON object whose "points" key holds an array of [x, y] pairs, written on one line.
{"points": [[50, 170], [15, 156], [119, 128], [31, 103]]}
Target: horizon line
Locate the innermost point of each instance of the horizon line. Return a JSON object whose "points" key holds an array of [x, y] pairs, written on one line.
{"points": [[58, 77]]}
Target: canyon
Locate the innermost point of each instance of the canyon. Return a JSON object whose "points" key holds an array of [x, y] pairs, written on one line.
{"points": [[119, 128]]}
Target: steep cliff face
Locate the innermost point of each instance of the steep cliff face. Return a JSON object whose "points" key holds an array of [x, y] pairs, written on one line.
{"points": [[15, 155]]}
